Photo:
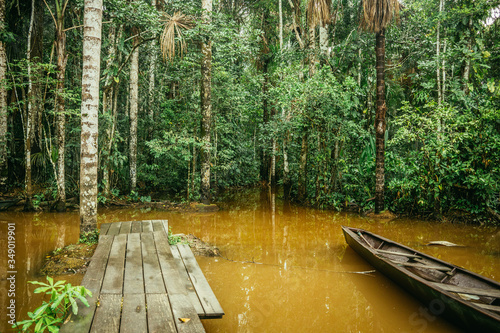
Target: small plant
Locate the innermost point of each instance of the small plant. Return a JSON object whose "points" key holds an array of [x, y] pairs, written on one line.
{"points": [[50, 315], [145, 199], [134, 196], [173, 240], [90, 238]]}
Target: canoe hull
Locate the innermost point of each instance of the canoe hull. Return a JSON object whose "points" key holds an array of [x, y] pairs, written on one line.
{"points": [[438, 303]]}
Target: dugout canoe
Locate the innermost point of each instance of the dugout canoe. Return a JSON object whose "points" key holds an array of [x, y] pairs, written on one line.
{"points": [[469, 300]]}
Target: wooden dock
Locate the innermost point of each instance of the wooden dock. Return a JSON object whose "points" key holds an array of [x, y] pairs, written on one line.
{"points": [[140, 283]]}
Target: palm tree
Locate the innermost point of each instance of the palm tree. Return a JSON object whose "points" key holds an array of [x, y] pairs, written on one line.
{"points": [[377, 14], [92, 21]]}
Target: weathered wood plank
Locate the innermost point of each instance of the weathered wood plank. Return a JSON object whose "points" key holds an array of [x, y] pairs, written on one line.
{"points": [[182, 308], [398, 254], [165, 226], [210, 304], [466, 290], [147, 226], [125, 228], [186, 281], [97, 267], [168, 265], [113, 278], [159, 314], [136, 227], [104, 228], [92, 281], [489, 307], [133, 279], [153, 280], [157, 225], [114, 228], [134, 314], [107, 315]]}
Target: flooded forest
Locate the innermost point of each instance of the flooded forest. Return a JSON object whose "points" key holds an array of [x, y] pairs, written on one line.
{"points": [[261, 127]]}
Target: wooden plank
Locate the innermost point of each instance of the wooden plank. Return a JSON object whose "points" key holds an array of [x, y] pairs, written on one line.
{"points": [[159, 314], [157, 225], [136, 227], [186, 281], [168, 266], [153, 280], [104, 228], [165, 226], [125, 228], [205, 294], [133, 280], [489, 307], [467, 290], [92, 281], [114, 228], [107, 315], [134, 314], [409, 264], [398, 254], [146, 226], [113, 278], [95, 272], [182, 308]]}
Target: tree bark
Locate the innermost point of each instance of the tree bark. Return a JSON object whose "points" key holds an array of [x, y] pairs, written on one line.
{"points": [[62, 58], [134, 98], [28, 123], [92, 22], [302, 191], [206, 105], [380, 124], [3, 105]]}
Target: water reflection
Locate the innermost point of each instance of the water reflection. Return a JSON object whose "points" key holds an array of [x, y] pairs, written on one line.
{"points": [[289, 269]]}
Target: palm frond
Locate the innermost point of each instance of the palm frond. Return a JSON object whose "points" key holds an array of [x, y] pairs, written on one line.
{"points": [[172, 34], [318, 12], [377, 14]]}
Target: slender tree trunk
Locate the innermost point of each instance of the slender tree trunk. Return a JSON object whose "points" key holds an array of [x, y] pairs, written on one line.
{"points": [[380, 123], [3, 104], [28, 206], [302, 191], [134, 102], [438, 50], [312, 47], [62, 59], [281, 24], [323, 40], [206, 106], [92, 22], [466, 75], [109, 99]]}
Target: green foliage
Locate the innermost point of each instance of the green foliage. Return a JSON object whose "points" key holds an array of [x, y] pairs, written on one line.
{"points": [[90, 238], [50, 315], [173, 240]]}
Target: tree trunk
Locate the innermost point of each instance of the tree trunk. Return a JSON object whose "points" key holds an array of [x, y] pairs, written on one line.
{"points": [[466, 74], [380, 123], [92, 22], [3, 105], [438, 49], [62, 58], [28, 119], [206, 106], [302, 191], [323, 40], [134, 102]]}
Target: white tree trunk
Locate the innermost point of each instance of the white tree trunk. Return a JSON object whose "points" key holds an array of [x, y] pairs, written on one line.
{"points": [[92, 22], [3, 103], [134, 102], [438, 48], [323, 40], [206, 106]]}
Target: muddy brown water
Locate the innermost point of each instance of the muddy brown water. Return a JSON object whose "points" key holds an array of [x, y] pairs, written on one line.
{"points": [[286, 268]]}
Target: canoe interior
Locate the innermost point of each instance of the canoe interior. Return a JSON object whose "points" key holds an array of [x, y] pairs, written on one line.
{"points": [[479, 293]]}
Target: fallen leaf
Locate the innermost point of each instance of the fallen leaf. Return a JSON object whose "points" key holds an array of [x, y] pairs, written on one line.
{"points": [[184, 320]]}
